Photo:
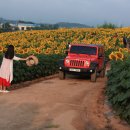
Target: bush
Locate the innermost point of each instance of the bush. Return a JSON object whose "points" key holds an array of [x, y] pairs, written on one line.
{"points": [[107, 25], [118, 87]]}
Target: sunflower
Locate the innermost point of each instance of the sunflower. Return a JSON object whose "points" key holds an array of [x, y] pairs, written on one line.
{"points": [[36, 50], [47, 52], [120, 49], [126, 49], [56, 51], [129, 51], [26, 50], [1, 49], [119, 55], [112, 56], [4, 50], [40, 51], [21, 52]]}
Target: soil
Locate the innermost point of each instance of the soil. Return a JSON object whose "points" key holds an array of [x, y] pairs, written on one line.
{"points": [[52, 104]]}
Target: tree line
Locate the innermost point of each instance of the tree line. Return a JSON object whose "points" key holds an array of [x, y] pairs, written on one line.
{"points": [[46, 27], [6, 27], [108, 25]]}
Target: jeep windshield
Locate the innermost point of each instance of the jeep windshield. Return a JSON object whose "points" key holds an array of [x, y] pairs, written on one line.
{"points": [[83, 50]]}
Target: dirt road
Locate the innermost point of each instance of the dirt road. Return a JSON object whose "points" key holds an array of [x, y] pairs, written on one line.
{"points": [[53, 104]]}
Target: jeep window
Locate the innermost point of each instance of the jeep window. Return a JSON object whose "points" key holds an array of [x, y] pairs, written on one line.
{"points": [[100, 51], [83, 50]]}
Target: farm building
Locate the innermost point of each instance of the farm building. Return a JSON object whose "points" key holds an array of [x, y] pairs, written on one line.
{"points": [[25, 26]]}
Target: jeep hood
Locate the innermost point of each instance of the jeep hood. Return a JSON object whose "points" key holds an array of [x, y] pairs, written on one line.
{"points": [[81, 57]]}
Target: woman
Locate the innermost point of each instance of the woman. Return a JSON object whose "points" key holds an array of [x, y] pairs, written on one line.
{"points": [[6, 69]]}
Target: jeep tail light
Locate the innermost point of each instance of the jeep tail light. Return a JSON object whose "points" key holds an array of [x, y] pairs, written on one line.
{"points": [[87, 63]]}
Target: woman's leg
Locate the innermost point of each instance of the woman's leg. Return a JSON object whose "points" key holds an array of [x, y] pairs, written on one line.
{"points": [[5, 90], [0, 88]]}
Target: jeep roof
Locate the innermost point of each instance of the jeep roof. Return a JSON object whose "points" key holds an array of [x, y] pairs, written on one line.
{"points": [[93, 45]]}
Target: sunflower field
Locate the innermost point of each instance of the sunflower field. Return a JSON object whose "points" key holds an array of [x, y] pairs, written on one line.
{"points": [[55, 41], [50, 45]]}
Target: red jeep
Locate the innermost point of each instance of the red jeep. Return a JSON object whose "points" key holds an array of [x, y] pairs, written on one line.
{"points": [[83, 58]]}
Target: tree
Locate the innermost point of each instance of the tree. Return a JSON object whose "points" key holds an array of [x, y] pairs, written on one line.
{"points": [[46, 27], [6, 27], [107, 25]]}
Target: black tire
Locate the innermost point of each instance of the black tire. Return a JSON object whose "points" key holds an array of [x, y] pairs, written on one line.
{"points": [[94, 76], [102, 73], [61, 75]]}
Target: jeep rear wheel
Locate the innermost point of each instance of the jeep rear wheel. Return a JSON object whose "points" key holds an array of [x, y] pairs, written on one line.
{"points": [[61, 75], [94, 76]]}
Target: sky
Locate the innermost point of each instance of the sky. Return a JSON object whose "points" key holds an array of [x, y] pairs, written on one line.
{"points": [[89, 12]]}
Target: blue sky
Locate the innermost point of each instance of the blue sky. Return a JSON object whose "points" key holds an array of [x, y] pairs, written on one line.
{"points": [[89, 12]]}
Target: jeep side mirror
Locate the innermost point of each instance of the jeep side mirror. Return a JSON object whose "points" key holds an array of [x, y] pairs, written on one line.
{"points": [[66, 52]]}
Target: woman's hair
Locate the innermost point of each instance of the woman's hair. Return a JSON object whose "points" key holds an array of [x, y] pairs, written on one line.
{"points": [[9, 54]]}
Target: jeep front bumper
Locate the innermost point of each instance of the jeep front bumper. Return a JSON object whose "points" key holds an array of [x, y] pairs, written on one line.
{"points": [[77, 70]]}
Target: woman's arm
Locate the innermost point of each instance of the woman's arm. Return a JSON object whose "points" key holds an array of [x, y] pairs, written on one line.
{"points": [[18, 58], [23, 58]]}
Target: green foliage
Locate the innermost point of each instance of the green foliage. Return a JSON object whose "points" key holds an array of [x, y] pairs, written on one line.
{"points": [[48, 65], [46, 27], [107, 25], [118, 87], [6, 27]]}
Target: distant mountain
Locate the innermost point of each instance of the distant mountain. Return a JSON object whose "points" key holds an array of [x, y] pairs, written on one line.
{"points": [[60, 24], [2, 20], [26, 22], [71, 25]]}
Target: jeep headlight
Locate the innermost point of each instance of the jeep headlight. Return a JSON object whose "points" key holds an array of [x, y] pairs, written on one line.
{"points": [[67, 61], [87, 63]]}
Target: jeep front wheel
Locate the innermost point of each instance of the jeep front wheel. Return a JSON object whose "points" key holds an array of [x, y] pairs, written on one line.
{"points": [[94, 76], [102, 73], [61, 75]]}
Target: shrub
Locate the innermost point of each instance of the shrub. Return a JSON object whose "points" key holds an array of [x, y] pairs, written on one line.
{"points": [[48, 65], [118, 87], [107, 25]]}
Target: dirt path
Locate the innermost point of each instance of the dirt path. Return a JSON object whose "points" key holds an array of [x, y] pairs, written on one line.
{"points": [[71, 104]]}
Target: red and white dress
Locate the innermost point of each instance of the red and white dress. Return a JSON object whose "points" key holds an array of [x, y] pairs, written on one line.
{"points": [[6, 71]]}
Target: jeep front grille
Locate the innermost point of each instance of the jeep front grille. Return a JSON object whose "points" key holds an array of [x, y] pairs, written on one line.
{"points": [[76, 63]]}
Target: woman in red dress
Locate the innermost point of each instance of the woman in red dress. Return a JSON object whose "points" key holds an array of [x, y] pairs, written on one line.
{"points": [[6, 69]]}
